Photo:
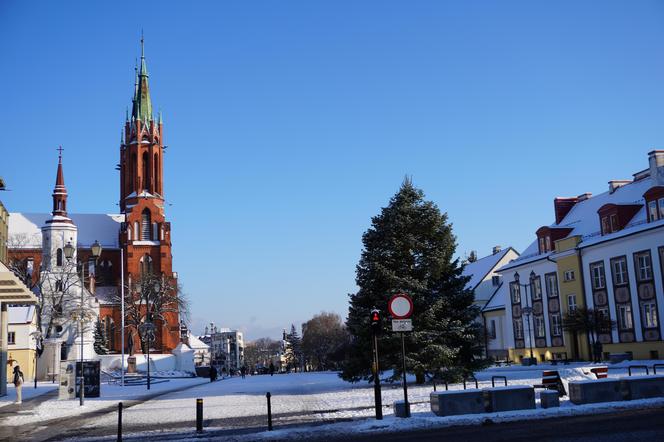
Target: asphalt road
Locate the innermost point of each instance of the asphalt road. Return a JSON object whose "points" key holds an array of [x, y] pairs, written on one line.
{"points": [[629, 426]]}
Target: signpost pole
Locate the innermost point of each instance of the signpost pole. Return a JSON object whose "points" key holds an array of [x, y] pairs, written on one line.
{"points": [[405, 384], [377, 395]]}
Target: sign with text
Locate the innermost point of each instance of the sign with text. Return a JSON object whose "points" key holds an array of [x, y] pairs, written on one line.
{"points": [[402, 325]]}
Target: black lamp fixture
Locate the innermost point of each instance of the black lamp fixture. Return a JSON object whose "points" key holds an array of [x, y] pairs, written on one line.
{"points": [[95, 249], [69, 251]]}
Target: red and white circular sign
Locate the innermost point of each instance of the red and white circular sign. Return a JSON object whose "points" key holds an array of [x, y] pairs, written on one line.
{"points": [[400, 306]]}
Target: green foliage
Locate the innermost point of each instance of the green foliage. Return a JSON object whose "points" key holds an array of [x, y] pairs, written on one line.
{"points": [[410, 248], [293, 351], [100, 341]]}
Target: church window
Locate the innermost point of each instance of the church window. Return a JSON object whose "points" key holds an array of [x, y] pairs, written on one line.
{"points": [[155, 230], [146, 171], [136, 231], [156, 173], [146, 264], [58, 258], [146, 226], [132, 172]]}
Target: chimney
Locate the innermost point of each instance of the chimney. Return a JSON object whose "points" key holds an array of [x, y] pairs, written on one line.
{"points": [[584, 196], [562, 206], [496, 249], [656, 161], [615, 184]]}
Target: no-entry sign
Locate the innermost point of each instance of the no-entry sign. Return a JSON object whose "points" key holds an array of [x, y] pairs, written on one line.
{"points": [[400, 306]]}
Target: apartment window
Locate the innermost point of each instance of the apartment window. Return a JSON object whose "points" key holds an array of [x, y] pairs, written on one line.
{"points": [[597, 275], [625, 317], [556, 325], [614, 222], [571, 303], [492, 329], [603, 312], [661, 208], [541, 245], [539, 326], [605, 225], [11, 338], [650, 315], [518, 329], [548, 243], [516, 293], [495, 280], [652, 211], [536, 288], [568, 275], [619, 271], [643, 266], [551, 285]]}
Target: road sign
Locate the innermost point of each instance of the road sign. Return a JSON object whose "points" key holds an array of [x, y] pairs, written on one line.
{"points": [[402, 325], [400, 306]]}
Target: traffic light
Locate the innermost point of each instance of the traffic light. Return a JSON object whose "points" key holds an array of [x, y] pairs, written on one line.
{"points": [[374, 320]]}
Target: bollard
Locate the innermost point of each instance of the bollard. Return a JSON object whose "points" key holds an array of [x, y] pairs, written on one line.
{"points": [[119, 421], [269, 411], [434, 385], [199, 415]]}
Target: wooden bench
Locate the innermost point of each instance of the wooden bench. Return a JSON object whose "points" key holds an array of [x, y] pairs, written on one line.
{"points": [[551, 381], [600, 372]]}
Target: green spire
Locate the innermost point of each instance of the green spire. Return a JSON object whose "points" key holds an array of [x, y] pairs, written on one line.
{"points": [[142, 109]]}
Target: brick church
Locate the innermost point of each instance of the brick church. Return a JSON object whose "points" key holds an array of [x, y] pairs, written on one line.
{"points": [[139, 234]]}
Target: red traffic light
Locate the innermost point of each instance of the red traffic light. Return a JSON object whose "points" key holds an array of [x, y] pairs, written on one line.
{"points": [[374, 318]]}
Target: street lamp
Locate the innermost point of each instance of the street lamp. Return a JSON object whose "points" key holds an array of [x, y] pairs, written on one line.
{"points": [[39, 341], [527, 310], [82, 314], [147, 332]]}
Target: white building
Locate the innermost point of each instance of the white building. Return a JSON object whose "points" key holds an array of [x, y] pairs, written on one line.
{"points": [[604, 252], [226, 348], [486, 284]]}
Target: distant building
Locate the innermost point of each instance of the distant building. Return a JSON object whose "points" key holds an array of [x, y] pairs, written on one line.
{"points": [[201, 350], [226, 348]]}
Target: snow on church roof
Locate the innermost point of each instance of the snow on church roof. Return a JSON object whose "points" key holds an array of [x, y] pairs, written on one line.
{"points": [[25, 229]]}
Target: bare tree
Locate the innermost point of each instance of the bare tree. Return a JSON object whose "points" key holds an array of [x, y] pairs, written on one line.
{"points": [[259, 353], [324, 339], [152, 298]]}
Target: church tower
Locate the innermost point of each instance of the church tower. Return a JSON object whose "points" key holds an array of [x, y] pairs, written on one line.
{"points": [[145, 235]]}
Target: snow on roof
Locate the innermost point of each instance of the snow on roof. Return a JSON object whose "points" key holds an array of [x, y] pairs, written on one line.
{"points": [[20, 315], [584, 220], [497, 300], [479, 269], [25, 229], [195, 343]]}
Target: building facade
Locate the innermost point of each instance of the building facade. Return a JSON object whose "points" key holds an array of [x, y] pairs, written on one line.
{"points": [[226, 348], [134, 242], [603, 252], [21, 344]]}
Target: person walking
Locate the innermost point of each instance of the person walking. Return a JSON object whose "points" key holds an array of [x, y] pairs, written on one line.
{"points": [[213, 373], [271, 368], [18, 383], [243, 371]]}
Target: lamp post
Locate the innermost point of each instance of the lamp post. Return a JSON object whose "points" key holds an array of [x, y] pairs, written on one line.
{"points": [[82, 314], [147, 332], [527, 310], [39, 339]]}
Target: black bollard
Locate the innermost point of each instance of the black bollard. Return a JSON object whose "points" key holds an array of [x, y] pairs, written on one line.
{"points": [[434, 385], [269, 411], [119, 421], [199, 415]]}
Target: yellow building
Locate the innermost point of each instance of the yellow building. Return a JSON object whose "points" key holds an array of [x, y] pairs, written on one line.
{"points": [[20, 341]]}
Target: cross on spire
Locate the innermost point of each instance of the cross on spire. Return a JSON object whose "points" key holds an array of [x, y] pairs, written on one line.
{"points": [[60, 149]]}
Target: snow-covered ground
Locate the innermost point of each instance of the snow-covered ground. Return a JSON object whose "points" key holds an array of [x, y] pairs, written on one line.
{"points": [[29, 392], [235, 403]]}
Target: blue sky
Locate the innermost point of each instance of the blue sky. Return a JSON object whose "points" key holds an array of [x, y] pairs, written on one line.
{"points": [[290, 124]]}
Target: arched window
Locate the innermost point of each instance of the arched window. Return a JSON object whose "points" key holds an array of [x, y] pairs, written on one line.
{"points": [[132, 172], [58, 258], [136, 231], [146, 171], [156, 174], [155, 230], [146, 225], [146, 264]]}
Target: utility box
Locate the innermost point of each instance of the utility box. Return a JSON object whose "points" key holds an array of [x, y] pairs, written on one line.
{"points": [[549, 399], [91, 378], [400, 409], [449, 403], [594, 391], [513, 397]]}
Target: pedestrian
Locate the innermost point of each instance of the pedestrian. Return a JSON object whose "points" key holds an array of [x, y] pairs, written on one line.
{"points": [[213, 373], [597, 349], [271, 368], [243, 371], [18, 383]]}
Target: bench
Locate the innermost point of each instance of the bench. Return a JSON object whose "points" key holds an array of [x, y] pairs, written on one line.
{"points": [[551, 381], [600, 372]]}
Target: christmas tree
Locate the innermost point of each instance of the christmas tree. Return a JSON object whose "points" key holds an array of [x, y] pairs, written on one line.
{"points": [[410, 248], [293, 348], [100, 341]]}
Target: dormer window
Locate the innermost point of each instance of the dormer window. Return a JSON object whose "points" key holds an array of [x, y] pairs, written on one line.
{"points": [[547, 236], [615, 217], [655, 203]]}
